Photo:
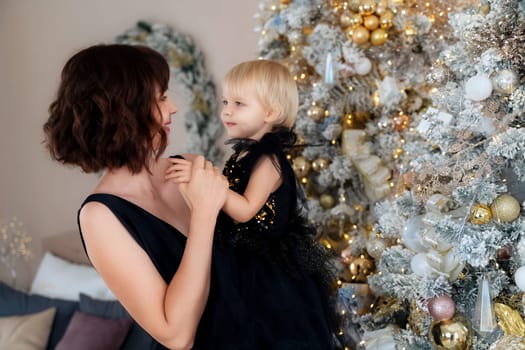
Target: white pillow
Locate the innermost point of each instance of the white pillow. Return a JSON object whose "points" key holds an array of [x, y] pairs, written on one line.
{"points": [[58, 278]]}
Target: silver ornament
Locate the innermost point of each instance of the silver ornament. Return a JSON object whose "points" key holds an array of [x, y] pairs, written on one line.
{"points": [[505, 81]]}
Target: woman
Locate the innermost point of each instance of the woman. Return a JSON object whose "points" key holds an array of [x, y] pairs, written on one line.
{"points": [[150, 239]]}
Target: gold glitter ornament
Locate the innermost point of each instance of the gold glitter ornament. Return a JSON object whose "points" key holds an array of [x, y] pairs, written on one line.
{"points": [[360, 35], [480, 214], [417, 318], [505, 208], [453, 334], [400, 121], [320, 164], [285, 2], [327, 201]]}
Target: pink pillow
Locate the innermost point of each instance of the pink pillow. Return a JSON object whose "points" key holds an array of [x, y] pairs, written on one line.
{"points": [[87, 332]]}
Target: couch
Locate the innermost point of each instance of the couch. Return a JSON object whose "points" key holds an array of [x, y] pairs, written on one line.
{"points": [[68, 307]]}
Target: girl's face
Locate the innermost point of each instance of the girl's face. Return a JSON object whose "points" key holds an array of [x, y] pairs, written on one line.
{"points": [[243, 114], [164, 108]]}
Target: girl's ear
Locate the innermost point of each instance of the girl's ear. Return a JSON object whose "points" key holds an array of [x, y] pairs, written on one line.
{"points": [[272, 115]]}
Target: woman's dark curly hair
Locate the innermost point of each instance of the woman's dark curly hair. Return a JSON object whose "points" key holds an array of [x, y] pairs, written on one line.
{"points": [[102, 116]]}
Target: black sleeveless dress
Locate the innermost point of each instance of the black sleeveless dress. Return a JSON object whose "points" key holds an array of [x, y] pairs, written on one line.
{"points": [[273, 270], [165, 245]]}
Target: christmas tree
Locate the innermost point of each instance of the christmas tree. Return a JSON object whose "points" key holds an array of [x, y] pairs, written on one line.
{"points": [[412, 159]]}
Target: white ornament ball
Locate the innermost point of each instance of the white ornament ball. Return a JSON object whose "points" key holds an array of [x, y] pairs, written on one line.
{"points": [[519, 277], [363, 66], [420, 266], [505, 81], [478, 88]]}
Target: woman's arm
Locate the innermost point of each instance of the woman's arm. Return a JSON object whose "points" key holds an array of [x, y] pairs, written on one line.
{"points": [[170, 313]]}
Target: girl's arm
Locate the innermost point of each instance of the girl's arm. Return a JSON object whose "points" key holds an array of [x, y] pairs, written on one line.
{"points": [[168, 312], [264, 180]]}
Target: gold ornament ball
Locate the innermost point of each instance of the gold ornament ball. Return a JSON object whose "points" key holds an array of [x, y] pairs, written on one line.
{"points": [[354, 5], [360, 268], [382, 6], [371, 22], [307, 30], [480, 214], [367, 7], [320, 164], [360, 35], [505, 208], [301, 166], [285, 2], [316, 113], [327, 201], [453, 334], [345, 19], [378, 36], [355, 20], [385, 23], [346, 256], [388, 14]]}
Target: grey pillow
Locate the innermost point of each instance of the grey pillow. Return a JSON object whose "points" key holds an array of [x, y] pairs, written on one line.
{"points": [[15, 302], [137, 338]]}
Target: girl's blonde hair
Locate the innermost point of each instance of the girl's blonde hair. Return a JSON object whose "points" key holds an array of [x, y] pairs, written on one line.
{"points": [[273, 84]]}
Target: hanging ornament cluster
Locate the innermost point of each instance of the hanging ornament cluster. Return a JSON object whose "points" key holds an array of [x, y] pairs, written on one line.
{"points": [[367, 21], [481, 86], [505, 208]]}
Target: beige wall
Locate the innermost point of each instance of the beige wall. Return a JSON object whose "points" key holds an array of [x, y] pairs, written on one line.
{"points": [[36, 37]]}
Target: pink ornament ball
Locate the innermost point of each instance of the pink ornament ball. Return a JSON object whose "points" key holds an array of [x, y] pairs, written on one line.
{"points": [[442, 308]]}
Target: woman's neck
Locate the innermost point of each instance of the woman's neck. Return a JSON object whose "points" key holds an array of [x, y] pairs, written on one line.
{"points": [[124, 183]]}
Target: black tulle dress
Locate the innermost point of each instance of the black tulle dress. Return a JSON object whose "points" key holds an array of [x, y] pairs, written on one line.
{"points": [[274, 282]]}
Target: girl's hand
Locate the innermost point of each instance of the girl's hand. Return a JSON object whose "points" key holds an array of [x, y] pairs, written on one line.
{"points": [[179, 171], [206, 188]]}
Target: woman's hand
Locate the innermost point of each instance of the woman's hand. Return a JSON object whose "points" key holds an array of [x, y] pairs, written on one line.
{"points": [[205, 186]]}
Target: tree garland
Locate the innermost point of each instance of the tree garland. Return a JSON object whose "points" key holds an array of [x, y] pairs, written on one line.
{"points": [[187, 68]]}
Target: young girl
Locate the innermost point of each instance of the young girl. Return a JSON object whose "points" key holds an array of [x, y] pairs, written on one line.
{"points": [[278, 293]]}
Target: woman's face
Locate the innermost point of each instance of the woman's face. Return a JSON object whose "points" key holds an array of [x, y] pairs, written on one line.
{"points": [[164, 108]]}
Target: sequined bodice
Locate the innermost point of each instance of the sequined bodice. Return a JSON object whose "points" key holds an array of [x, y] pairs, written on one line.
{"points": [[274, 216]]}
